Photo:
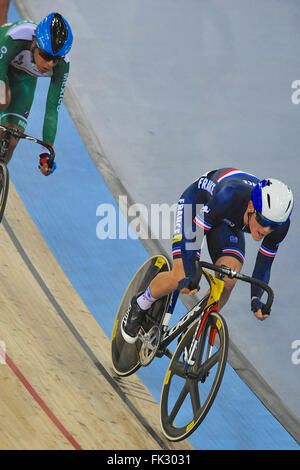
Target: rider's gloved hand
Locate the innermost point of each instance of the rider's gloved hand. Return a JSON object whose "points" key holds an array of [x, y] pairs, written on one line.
{"points": [[186, 286], [44, 166], [259, 309]]}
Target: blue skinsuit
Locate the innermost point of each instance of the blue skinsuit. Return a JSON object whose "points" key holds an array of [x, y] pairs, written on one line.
{"points": [[214, 206]]}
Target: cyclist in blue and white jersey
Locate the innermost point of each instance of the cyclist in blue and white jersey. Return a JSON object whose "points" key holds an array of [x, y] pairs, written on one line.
{"points": [[223, 205]]}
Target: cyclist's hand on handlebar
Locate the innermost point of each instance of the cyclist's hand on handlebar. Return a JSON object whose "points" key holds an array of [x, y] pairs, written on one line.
{"points": [[185, 286], [44, 167], [257, 308]]}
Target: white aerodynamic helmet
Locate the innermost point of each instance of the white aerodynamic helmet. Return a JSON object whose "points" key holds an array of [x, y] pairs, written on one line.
{"points": [[273, 201]]}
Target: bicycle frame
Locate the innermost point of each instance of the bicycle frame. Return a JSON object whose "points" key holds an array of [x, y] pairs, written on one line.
{"points": [[206, 305], [197, 365], [202, 347]]}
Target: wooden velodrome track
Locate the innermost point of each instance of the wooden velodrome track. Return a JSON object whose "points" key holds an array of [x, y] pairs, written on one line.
{"points": [[57, 386]]}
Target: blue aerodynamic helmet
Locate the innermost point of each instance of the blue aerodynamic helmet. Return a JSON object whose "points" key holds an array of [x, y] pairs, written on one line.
{"points": [[54, 35]]}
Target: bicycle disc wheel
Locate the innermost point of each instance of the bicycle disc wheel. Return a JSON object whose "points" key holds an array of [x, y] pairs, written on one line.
{"points": [[189, 390], [125, 357], [4, 185]]}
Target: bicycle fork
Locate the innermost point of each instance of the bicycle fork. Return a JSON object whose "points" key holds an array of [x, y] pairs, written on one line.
{"points": [[190, 356]]}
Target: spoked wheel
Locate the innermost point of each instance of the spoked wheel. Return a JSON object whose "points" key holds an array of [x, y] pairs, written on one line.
{"points": [[4, 185], [191, 384], [126, 357]]}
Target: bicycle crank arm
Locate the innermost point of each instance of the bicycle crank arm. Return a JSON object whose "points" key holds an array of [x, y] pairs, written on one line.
{"points": [[150, 343]]}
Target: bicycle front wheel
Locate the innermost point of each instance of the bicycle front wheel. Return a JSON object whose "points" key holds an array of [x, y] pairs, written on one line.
{"points": [[190, 388], [4, 185]]}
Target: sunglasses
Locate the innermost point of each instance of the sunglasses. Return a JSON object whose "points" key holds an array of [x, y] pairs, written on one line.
{"points": [[48, 57], [266, 222]]}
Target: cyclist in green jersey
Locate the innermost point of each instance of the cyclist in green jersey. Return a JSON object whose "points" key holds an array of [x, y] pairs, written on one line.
{"points": [[29, 51]]}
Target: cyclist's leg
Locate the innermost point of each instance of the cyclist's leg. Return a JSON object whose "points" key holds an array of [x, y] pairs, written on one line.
{"points": [[141, 302], [226, 247], [22, 87], [183, 242], [165, 282], [5, 95]]}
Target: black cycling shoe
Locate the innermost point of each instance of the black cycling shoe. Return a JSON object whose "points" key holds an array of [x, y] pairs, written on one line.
{"points": [[132, 322]]}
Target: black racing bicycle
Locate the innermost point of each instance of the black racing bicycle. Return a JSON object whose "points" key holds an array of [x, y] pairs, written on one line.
{"points": [[197, 366], [6, 133]]}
